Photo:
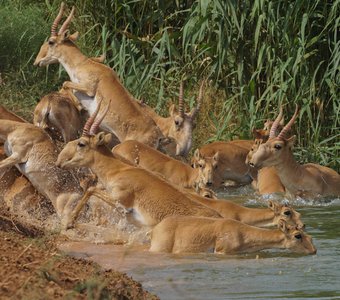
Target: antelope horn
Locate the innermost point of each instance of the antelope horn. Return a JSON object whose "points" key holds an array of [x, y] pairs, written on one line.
{"points": [[67, 21], [276, 124], [180, 100], [57, 20], [199, 100], [96, 123], [90, 120], [283, 133]]}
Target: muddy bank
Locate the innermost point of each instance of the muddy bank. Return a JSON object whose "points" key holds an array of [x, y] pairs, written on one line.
{"points": [[31, 267]]}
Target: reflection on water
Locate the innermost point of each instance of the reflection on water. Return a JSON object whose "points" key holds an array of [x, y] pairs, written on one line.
{"points": [[263, 275]]}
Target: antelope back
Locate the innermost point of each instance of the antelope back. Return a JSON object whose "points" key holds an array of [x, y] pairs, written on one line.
{"points": [[56, 111]]}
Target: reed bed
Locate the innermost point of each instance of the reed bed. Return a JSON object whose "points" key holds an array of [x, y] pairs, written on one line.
{"points": [[256, 55]]}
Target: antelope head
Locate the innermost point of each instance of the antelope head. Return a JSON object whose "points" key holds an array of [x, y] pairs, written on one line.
{"points": [[81, 152], [277, 148], [286, 213], [182, 123], [296, 239], [261, 136], [50, 52], [206, 166]]}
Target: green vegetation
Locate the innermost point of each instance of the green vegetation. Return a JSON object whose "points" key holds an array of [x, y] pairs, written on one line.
{"points": [[257, 55]]}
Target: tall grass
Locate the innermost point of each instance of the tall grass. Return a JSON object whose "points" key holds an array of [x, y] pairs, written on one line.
{"points": [[256, 54]]}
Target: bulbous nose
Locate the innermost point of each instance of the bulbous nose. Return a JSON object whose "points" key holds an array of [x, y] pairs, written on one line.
{"points": [[209, 183]]}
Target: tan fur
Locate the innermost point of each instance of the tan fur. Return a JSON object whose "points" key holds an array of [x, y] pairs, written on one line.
{"points": [[152, 198], [304, 180], [178, 129], [176, 172], [231, 161], [267, 181], [183, 234], [57, 110], [8, 115], [32, 151], [93, 79], [253, 216]]}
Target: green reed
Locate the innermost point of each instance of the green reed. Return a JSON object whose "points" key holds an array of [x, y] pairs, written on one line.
{"points": [[257, 55]]}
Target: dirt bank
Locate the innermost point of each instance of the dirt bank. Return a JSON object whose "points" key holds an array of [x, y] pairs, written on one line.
{"points": [[31, 267]]}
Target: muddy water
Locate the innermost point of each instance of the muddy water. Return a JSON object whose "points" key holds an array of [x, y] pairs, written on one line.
{"points": [[263, 275]]}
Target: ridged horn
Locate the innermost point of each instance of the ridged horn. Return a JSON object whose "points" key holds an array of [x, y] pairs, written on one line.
{"points": [[97, 122], [67, 21], [199, 100], [283, 133], [276, 124], [57, 20], [90, 120], [180, 100]]}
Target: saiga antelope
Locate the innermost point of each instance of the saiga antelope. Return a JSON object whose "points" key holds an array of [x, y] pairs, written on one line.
{"points": [[187, 234], [57, 111], [179, 125], [32, 151], [231, 161], [266, 181], [151, 198], [99, 82], [176, 172], [261, 217], [309, 180]]}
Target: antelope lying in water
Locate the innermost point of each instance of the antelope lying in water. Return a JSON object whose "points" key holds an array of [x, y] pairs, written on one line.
{"points": [[94, 82], [230, 158], [179, 125], [266, 181], [302, 180], [151, 198], [261, 217], [186, 234], [176, 172]]}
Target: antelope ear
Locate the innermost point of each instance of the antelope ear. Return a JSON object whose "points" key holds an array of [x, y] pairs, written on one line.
{"points": [[74, 36], [103, 139], [65, 35], [291, 141], [216, 156], [172, 110], [258, 134], [282, 225], [197, 155], [272, 205]]}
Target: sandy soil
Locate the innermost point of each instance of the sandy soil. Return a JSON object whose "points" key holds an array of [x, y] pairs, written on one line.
{"points": [[31, 267]]}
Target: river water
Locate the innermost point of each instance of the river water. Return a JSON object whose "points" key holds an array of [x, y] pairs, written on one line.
{"points": [[272, 274]]}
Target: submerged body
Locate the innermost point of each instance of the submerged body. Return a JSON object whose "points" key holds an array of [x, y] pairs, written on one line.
{"points": [[196, 234]]}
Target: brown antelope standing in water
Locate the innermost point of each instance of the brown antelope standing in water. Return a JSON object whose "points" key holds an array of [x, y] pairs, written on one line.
{"points": [[309, 180], [176, 172], [32, 151], [151, 198], [187, 234], [94, 82], [179, 125]]}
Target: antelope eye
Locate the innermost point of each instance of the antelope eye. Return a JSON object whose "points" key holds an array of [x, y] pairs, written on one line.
{"points": [[81, 144], [200, 165], [298, 236], [277, 146], [177, 122], [287, 213]]}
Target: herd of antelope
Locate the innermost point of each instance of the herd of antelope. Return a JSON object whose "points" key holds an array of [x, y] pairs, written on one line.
{"points": [[133, 153]]}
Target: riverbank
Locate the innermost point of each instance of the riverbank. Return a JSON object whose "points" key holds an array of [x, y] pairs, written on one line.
{"points": [[32, 267]]}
